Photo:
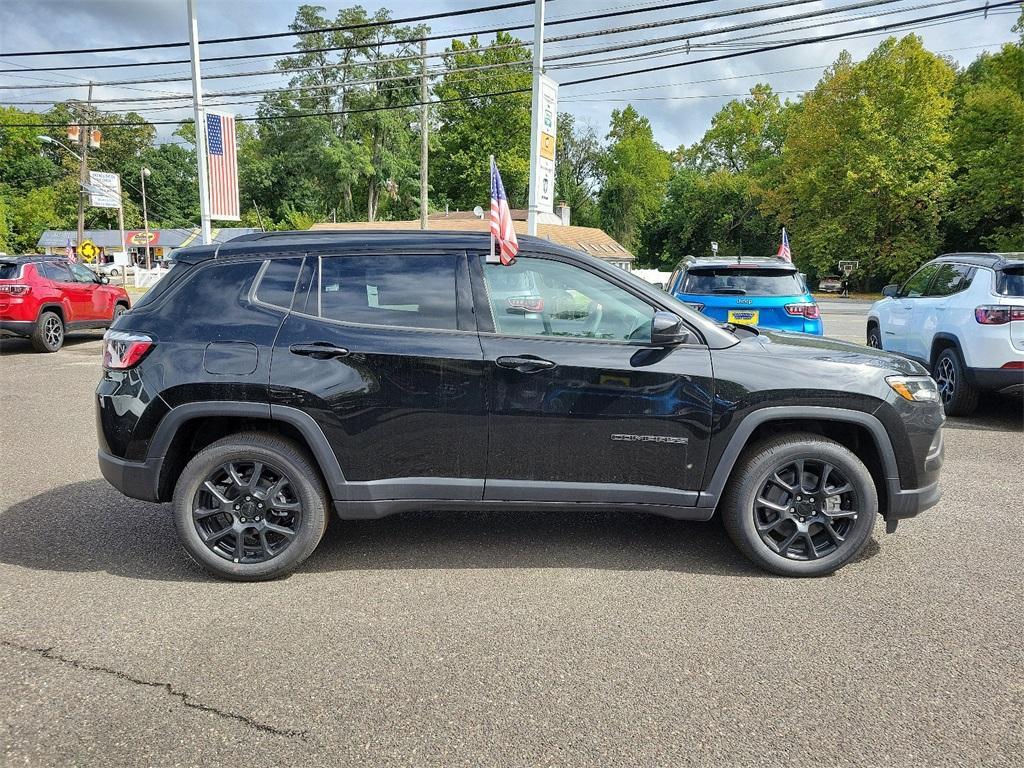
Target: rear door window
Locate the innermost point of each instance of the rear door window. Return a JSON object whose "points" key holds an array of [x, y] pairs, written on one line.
{"points": [[55, 270], [742, 281], [410, 291], [1010, 281], [950, 279]]}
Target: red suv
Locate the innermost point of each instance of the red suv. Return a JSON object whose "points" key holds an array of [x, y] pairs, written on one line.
{"points": [[41, 297]]}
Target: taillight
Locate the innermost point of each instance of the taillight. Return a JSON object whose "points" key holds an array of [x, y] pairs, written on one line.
{"points": [[123, 349], [806, 309], [998, 314], [1015, 365], [15, 289], [525, 303]]}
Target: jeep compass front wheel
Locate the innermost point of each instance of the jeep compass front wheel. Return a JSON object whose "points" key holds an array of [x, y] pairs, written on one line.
{"points": [[800, 505], [250, 507]]}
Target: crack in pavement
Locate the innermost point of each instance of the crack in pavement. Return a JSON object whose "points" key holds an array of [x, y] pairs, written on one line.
{"points": [[186, 699]]}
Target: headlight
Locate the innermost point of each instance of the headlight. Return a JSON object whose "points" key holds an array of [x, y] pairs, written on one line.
{"points": [[919, 388]]}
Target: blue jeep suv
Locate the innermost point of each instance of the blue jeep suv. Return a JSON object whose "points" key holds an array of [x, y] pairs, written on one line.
{"points": [[766, 292]]}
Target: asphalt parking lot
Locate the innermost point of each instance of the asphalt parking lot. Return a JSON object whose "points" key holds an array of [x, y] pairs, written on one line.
{"points": [[513, 639]]}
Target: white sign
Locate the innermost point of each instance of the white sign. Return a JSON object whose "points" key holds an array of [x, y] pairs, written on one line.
{"points": [[104, 190], [546, 126]]}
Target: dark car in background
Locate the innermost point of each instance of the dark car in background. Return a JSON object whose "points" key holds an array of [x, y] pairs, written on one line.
{"points": [[270, 381]]}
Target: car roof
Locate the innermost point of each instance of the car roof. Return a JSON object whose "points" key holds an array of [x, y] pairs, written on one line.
{"points": [[981, 259], [761, 262], [270, 244], [30, 258]]}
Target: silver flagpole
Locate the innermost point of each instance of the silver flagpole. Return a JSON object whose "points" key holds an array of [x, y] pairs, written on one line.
{"points": [[490, 260], [197, 104]]}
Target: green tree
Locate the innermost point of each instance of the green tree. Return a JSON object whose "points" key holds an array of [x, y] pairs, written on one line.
{"points": [[578, 170], [468, 132], [988, 148], [865, 169], [635, 170]]}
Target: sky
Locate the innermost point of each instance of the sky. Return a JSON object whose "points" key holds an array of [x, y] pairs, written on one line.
{"points": [[679, 101]]}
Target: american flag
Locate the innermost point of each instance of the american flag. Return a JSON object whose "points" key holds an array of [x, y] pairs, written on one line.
{"points": [[502, 230], [69, 252], [784, 252], [223, 165]]}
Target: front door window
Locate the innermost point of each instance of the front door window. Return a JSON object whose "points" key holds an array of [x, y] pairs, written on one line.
{"points": [[541, 297]]}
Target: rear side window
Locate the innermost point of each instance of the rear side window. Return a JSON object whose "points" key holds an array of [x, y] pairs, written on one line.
{"points": [[1010, 281], [277, 286], [743, 281], [176, 271], [950, 279], [9, 270], [54, 270], [407, 291], [214, 302]]}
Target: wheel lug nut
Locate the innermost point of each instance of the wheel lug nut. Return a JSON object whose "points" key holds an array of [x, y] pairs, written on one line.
{"points": [[257, 518], [238, 506], [248, 498], [243, 519]]}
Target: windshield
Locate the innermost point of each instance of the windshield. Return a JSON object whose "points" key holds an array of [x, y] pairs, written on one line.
{"points": [[1010, 281], [743, 281]]}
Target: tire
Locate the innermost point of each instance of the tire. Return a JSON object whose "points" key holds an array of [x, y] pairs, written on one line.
{"points": [[850, 514], [115, 272], [874, 336], [959, 396], [219, 522], [48, 335]]}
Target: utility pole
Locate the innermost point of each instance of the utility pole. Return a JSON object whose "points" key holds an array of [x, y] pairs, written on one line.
{"points": [[145, 214], [538, 70], [197, 105], [424, 134], [83, 166]]}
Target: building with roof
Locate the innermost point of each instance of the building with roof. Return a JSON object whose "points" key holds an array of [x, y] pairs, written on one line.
{"points": [[590, 240], [161, 241]]}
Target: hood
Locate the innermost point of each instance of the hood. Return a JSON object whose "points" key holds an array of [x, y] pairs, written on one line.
{"points": [[826, 350]]}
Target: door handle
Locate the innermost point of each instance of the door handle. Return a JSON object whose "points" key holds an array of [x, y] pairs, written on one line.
{"points": [[320, 350], [525, 364]]}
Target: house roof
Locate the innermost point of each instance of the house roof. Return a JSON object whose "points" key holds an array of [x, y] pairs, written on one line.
{"points": [[590, 240]]}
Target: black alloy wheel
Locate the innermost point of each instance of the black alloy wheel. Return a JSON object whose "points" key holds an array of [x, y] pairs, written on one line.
{"points": [[250, 507], [805, 509], [799, 504], [946, 378], [247, 511]]}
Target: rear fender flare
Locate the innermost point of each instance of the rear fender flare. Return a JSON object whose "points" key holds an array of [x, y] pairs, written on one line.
{"points": [[315, 439]]}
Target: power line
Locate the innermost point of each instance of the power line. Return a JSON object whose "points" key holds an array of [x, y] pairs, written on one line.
{"points": [[596, 78], [734, 28], [299, 33], [427, 38]]}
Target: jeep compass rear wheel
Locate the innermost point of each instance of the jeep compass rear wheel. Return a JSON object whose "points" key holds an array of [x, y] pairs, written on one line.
{"points": [[800, 505], [250, 507]]}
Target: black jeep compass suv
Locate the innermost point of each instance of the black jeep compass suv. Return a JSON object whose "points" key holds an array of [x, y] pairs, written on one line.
{"points": [[267, 380]]}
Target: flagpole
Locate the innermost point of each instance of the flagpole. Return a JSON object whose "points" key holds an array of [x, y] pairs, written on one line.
{"points": [[491, 176], [538, 69], [197, 105]]}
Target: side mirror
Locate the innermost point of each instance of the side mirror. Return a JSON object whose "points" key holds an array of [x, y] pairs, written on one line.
{"points": [[667, 330], [104, 279], [891, 291]]}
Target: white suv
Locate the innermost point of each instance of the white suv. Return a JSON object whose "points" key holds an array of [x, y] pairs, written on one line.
{"points": [[962, 315]]}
